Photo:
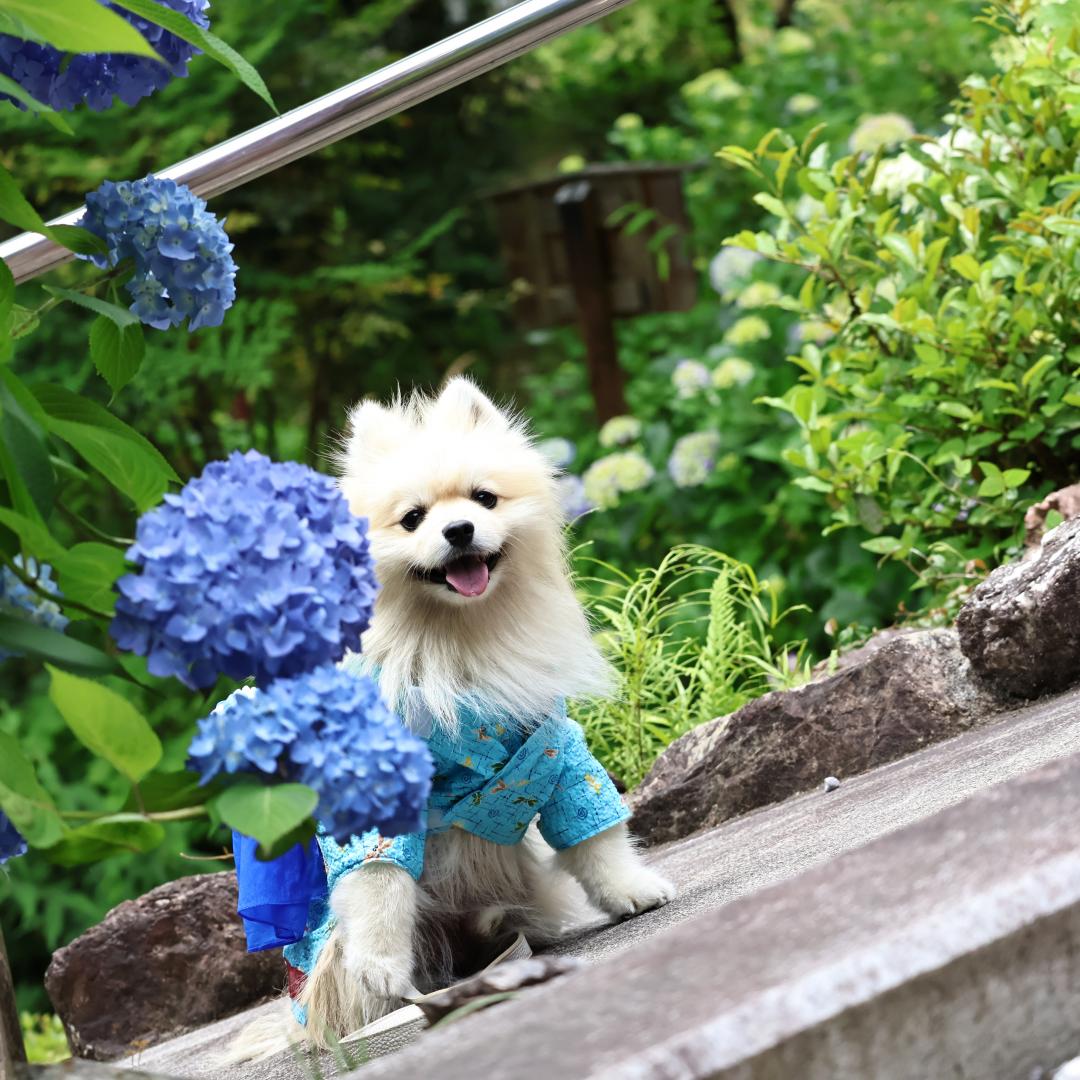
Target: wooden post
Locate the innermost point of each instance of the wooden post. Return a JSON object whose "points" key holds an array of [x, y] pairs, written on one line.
{"points": [[12, 1050], [589, 278]]}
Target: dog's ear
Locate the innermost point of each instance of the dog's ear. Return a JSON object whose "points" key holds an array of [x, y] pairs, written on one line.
{"points": [[373, 429], [463, 404]]}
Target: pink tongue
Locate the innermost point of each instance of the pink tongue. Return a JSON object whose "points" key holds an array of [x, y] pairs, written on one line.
{"points": [[468, 576]]}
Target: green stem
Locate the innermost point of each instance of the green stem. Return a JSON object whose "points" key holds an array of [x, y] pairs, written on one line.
{"points": [[116, 541]]}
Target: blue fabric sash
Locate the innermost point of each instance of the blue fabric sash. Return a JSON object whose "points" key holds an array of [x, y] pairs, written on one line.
{"points": [[274, 895]]}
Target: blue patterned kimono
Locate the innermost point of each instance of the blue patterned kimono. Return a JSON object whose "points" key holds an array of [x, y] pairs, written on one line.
{"points": [[491, 779]]}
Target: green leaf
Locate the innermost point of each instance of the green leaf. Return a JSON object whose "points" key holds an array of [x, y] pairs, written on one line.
{"points": [[76, 238], [993, 481], [266, 813], [882, 545], [1033, 376], [127, 460], [118, 315], [19, 635], [814, 483], [966, 266], [169, 791], [112, 835], [210, 44], [13, 89], [107, 724], [955, 408], [78, 26], [7, 293], [33, 536], [26, 448], [1013, 478], [87, 573], [117, 351], [14, 208], [23, 799]]}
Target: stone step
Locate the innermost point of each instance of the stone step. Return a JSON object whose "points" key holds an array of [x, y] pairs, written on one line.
{"points": [[921, 920]]}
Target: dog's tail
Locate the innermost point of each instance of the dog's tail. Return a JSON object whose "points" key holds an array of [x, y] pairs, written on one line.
{"points": [[274, 1031]]}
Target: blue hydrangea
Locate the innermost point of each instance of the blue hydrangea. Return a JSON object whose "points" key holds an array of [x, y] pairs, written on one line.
{"points": [[183, 266], [20, 600], [63, 81], [693, 458], [575, 502], [254, 568], [12, 844], [332, 731]]}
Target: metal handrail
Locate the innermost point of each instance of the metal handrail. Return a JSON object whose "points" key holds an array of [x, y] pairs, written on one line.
{"points": [[383, 93]]}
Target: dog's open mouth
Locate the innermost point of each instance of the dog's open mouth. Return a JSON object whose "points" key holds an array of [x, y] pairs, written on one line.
{"points": [[467, 575]]}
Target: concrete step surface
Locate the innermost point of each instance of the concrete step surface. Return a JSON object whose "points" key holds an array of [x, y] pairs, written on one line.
{"points": [[921, 920]]}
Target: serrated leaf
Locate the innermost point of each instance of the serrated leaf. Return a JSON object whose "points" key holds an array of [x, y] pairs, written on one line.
{"points": [[210, 44], [117, 351], [87, 572], [78, 26], [107, 724], [267, 814], [128, 461], [23, 799]]}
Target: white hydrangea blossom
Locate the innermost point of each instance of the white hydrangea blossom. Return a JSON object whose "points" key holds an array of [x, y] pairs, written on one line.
{"points": [[620, 431], [734, 371], [730, 266], [693, 458], [560, 452], [880, 130], [747, 330], [758, 294], [689, 377], [608, 478]]}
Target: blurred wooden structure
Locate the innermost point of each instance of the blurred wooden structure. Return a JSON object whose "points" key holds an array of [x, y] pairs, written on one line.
{"points": [[559, 236]]}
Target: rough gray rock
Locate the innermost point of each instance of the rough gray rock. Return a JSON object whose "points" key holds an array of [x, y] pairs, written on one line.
{"points": [[1021, 627], [167, 963], [913, 690]]}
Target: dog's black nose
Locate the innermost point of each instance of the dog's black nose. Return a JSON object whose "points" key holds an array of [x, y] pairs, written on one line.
{"points": [[459, 533]]}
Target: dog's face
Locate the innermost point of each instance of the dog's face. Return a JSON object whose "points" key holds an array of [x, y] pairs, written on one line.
{"points": [[458, 501]]}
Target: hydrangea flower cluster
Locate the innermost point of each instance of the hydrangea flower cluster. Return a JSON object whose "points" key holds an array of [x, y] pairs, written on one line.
{"points": [[560, 452], [63, 82], [730, 266], [690, 377], [575, 502], [758, 294], [330, 730], [747, 330], [183, 266], [17, 598], [609, 477], [880, 130], [12, 844], [734, 371], [620, 431], [254, 568], [693, 458]]}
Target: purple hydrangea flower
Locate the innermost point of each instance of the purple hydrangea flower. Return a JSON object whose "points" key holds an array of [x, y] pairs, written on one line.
{"points": [[575, 502], [254, 568], [12, 843], [20, 600], [183, 265], [332, 731], [62, 82]]}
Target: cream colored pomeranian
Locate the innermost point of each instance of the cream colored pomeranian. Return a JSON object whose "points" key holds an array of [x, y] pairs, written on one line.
{"points": [[476, 618]]}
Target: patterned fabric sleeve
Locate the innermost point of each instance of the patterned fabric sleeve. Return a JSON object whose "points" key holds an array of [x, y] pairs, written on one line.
{"points": [[405, 851], [585, 801]]}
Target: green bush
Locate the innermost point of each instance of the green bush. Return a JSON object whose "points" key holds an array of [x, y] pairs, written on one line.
{"points": [[945, 397]]}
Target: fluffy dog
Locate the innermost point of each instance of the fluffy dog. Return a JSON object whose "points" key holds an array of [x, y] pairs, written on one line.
{"points": [[477, 634]]}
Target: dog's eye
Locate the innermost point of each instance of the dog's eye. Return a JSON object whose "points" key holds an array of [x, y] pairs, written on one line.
{"points": [[485, 498], [411, 521]]}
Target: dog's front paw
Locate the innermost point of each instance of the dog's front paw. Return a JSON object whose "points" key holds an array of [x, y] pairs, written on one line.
{"points": [[633, 892], [379, 980]]}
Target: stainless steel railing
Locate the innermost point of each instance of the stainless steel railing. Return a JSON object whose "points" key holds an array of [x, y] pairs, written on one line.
{"points": [[342, 112]]}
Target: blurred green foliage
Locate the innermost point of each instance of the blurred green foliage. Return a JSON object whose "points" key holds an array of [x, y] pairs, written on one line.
{"points": [[374, 263]]}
